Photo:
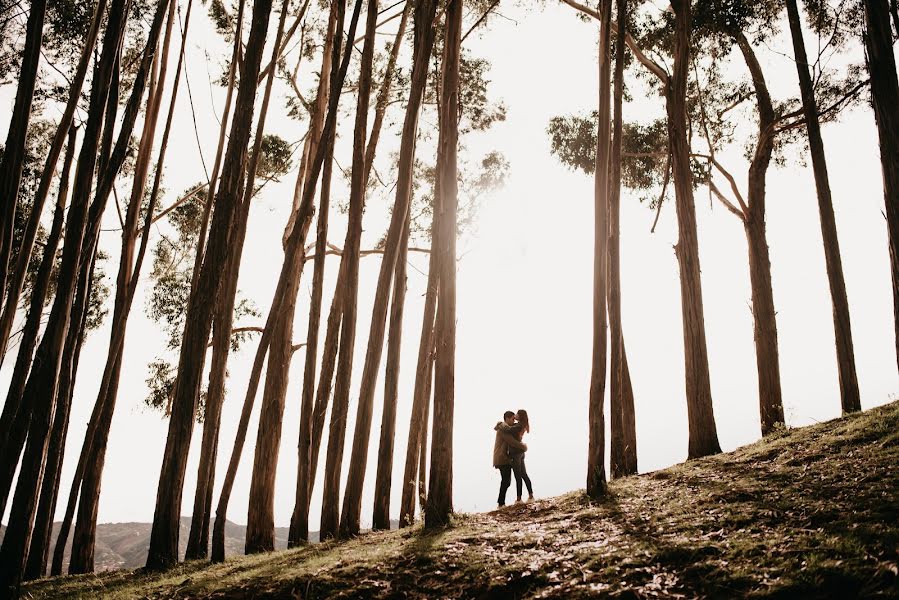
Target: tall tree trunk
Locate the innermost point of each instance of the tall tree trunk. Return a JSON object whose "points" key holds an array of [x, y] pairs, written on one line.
{"points": [[47, 175], [849, 396], [40, 541], [421, 395], [381, 514], [166, 520], [293, 251], [198, 537], [352, 502], [440, 486], [703, 435], [623, 450], [41, 388], [766, 348], [261, 510], [13, 159], [885, 98], [82, 556], [299, 521], [596, 469], [14, 422], [334, 458]]}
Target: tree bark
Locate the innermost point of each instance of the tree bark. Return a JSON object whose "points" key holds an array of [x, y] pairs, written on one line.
{"points": [[261, 518], [623, 450], [352, 504], [885, 98], [293, 251], [82, 556], [47, 174], [14, 421], [849, 396], [41, 388], [334, 457], [765, 325], [421, 395], [703, 436], [299, 521], [13, 160], [440, 487], [40, 541], [596, 470], [381, 515], [163, 550]]}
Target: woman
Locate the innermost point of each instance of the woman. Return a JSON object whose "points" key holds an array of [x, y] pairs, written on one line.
{"points": [[521, 427]]}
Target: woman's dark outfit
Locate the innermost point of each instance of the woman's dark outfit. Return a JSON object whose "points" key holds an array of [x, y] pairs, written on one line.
{"points": [[518, 466]]}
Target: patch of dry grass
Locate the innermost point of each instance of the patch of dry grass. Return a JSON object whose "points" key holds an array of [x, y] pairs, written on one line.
{"points": [[811, 512]]}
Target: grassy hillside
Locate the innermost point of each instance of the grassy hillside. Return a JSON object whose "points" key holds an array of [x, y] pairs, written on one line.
{"points": [[811, 512]]}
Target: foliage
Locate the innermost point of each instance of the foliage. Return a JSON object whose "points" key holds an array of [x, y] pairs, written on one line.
{"points": [[643, 149], [807, 512]]}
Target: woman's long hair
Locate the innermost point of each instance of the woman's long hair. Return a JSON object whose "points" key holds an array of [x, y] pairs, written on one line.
{"points": [[523, 419]]}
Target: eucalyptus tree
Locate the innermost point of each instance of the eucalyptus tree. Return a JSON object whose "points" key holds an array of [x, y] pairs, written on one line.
{"points": [[849, 396], [439, 505], [352, 504], [166, 520], [334, 457], [885, 97], [24, 249], [623, 447], [596, 464], [12, 160], [84, 540], [310, 421], [292, 252], [40, 391]]}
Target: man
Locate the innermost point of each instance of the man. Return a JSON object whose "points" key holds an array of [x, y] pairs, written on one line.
{"points": [[505, 440]]}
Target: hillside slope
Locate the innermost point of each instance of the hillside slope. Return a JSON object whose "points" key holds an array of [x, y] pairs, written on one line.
{"points": [[811, 512]]}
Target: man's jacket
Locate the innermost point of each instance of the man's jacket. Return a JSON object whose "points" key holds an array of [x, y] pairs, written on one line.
{"points": [[505, 441]]}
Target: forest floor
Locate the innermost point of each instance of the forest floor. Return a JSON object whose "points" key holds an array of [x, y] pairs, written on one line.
{"points": [[811, 512]]}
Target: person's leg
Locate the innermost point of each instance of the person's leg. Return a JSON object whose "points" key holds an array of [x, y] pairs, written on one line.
{"points": [[517, 463], [505, 473], [527, 480]]}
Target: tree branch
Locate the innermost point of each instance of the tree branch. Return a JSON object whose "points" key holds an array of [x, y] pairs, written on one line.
{"points": [[647, 62]]}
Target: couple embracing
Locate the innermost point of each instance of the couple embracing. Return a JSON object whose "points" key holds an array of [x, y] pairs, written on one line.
{"points": [[508, 454]]}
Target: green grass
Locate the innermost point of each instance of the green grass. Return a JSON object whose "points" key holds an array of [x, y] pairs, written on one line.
{"points": [[810, 512]]}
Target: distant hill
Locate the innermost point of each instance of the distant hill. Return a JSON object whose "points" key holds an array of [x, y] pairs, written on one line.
{"points": [[805, 513], [125, 545]]}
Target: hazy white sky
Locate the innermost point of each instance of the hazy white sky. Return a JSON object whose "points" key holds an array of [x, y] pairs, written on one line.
{"points": [[524, 290]]}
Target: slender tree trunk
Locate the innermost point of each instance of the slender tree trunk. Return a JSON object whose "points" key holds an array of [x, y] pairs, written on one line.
{"points": [[166, 520], [381, 515], [423, 450], [40, 391], [14, 420], [703, 439], [47, 174], [440, 487], [849, 396], [623, 450], [765, 325], [596, 469], [261, 511], [334, 458], [421, 396], [13, 160], [352, 502], [82, 556], [293, 251], [885, 98], [299, 522], [40, 541]]}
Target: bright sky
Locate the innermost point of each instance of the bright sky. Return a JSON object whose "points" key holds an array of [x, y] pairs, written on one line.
{"points": [[524, 291]]}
